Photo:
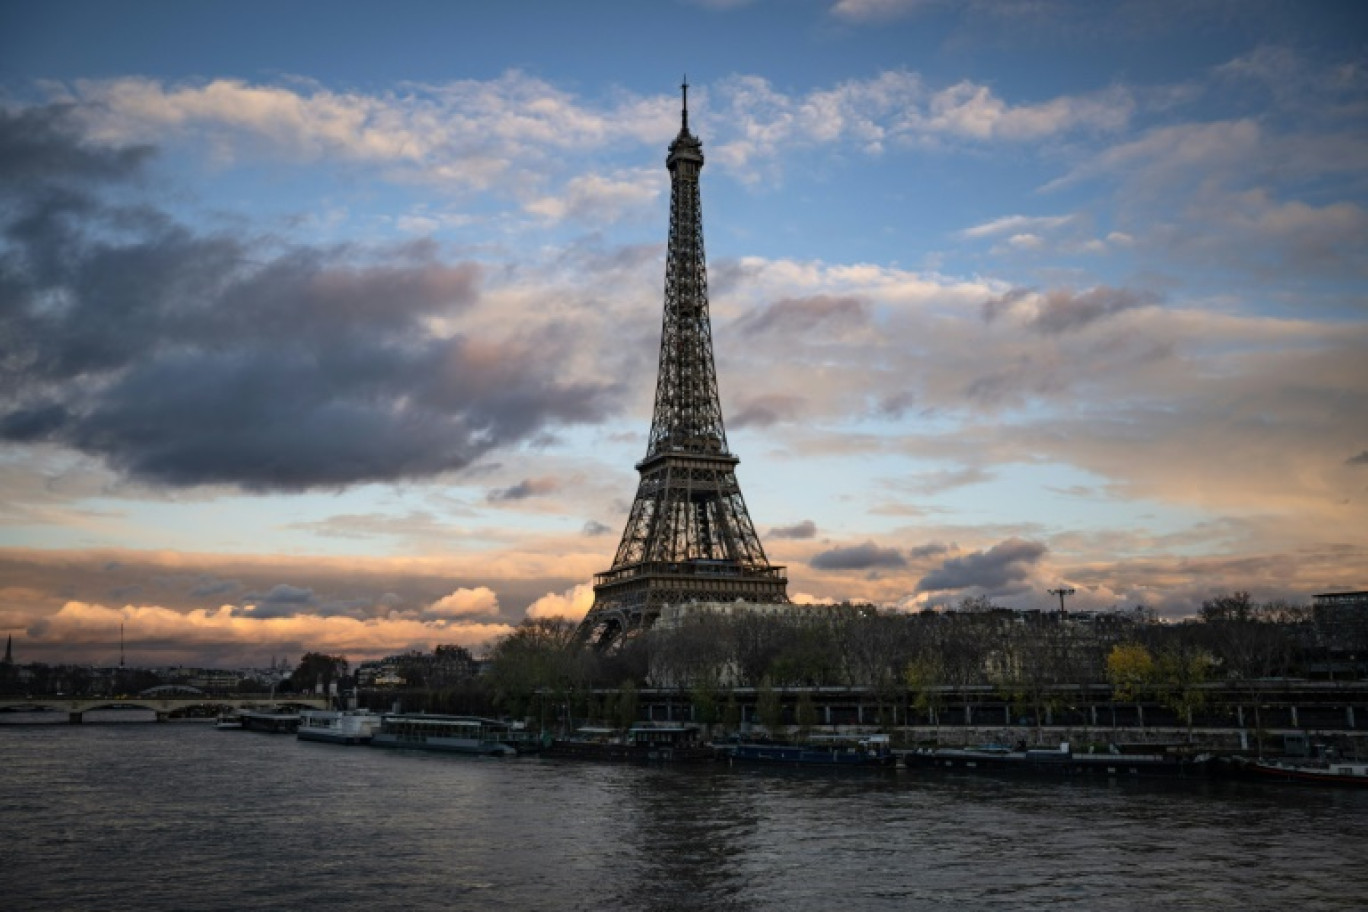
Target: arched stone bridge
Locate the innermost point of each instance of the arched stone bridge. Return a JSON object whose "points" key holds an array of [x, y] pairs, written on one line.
{"points": [[162, 705]]}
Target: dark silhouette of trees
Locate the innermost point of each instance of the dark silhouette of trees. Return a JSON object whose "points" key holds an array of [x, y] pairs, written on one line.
{"points": [[541, 667], [318, 670]]}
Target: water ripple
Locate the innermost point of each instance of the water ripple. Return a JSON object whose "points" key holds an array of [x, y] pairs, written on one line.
{"points": [[170, 817]]}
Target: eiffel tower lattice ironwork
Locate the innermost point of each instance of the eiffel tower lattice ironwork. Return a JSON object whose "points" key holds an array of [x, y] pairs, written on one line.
{"points": [[688, 536]]}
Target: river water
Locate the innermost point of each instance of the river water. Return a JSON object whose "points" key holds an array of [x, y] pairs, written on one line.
{"points": [[182, 816]]}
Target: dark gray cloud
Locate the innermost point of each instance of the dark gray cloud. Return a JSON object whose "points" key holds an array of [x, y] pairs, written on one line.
{"points": [[995, 307], [928, 550], [38, 145], [528, 487], [283, 600], [1006, 562], [594, 528], [1063, 310], [764, 411], [1360, 459], [867, 556], [210, 586], [186, 359], [802, 315], [805, 529], [895, 405]]}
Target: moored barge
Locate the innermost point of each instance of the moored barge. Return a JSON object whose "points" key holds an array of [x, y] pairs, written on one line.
{"points": [[453, 734], [640, 743], [1062, 761], [819, 750], [274, 723], [1329, 772]]}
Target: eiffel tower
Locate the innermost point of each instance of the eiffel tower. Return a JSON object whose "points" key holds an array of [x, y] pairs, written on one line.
{"points": [[688, 536]]}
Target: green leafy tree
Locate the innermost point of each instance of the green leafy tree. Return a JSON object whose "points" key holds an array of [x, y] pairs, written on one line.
{"points": [[924, 677], [769, 708], [1180, 675], [706, 705]]}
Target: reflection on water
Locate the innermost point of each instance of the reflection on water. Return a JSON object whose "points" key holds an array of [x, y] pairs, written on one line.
{"points": [[176, 816]]}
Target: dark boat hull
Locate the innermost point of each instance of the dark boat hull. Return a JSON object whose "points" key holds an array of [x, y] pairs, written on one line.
{"points": [[271, 723], [1058, 763], [805, 755], [627, 753]]}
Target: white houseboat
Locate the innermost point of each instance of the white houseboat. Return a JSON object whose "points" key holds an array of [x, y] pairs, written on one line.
{"points": [[353, 726]]}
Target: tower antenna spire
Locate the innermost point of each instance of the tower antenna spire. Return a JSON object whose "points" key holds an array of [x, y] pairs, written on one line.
{"points": [[684, 87]]}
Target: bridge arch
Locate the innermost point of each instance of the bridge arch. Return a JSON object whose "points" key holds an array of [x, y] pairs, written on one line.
{"points": [[162, 705]]}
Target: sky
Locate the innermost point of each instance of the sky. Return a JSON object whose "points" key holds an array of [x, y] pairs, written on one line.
{"points": [[334, 326]]}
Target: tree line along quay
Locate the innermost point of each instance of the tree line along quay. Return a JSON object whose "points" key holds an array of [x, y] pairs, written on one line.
{"points": [[1236, 672], [1241, 674]]}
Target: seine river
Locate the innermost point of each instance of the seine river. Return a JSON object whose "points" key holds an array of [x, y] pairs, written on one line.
{"points": [[184, 817]]}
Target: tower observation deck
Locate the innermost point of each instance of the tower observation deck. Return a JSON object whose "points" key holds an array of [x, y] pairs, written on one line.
{"points": [[688, 535]]}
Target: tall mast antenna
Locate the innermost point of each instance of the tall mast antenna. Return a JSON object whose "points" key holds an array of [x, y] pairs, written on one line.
{"points": [[1061, 592]]}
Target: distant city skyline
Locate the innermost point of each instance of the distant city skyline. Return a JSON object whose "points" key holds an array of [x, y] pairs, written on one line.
{"points": [[333, 328]]}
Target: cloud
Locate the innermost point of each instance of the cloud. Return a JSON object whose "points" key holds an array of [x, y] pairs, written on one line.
{"points": [[802, 530], [1176, 155], [38, 145], [973, 111], [157, 635], [594, 198], [184, 359], [1061, 310], [867, 556], [209, 586], [464, 135], [819, 313], [1013, 224], [1360, 459], [893, 109], [387, 596], [936, 482], [880, 10], [528, 487], [572, 604], [510, 134], [283, 600], [1238, 193], [931, 549], [765, 411], [464, 603], [595, 528], [1004, 563]]}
